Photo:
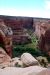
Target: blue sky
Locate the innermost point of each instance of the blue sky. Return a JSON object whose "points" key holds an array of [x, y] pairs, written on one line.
{"points": [[22, 4], [31, 8]]}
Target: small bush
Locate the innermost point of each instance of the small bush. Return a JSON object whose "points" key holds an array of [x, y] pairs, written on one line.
{"points": [[42, 60], [17, 51]]}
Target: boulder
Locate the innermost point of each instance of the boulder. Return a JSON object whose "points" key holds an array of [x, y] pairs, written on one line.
{"points": [[16, 62], [28, 59]]}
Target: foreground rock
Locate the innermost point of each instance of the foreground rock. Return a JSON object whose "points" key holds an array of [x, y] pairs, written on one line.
{"points": [[8, 65], [6, 61], [32, 70], [43, 61], [16, 62], [4, 58], [44, 72], [28, 60], [25, 60]]}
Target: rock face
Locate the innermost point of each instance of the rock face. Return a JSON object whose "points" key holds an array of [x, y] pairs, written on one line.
{"points": [[45, 42], [28, 59], [42, 30], [6, 37], [4, 58], [41, 25], [18, 25]]}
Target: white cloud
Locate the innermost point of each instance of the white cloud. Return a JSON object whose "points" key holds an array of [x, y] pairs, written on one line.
{"points": [[47, 4], [22, 12], [16, 12]]}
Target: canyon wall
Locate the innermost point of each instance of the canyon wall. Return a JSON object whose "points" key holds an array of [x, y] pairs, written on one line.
{"points": [[20, 26]]}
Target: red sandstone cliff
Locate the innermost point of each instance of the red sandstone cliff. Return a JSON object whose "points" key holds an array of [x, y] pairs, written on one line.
{"points": [[17, 24]]}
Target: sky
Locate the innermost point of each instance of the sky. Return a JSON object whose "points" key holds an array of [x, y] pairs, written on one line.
{"points": [[28, 8]]}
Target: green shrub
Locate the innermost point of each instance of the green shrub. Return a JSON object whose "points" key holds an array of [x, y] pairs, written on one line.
{"points": [[34, 41], [17, 51]]}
